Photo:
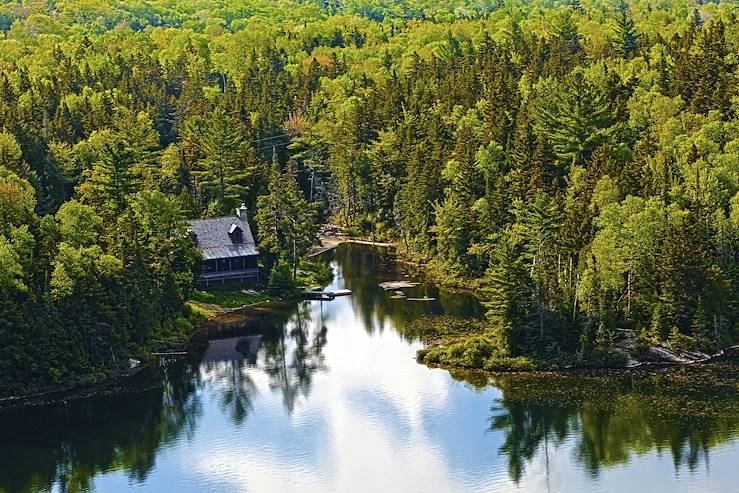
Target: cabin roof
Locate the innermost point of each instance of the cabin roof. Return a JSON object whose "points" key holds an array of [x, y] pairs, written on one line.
{"points": [[214, 239]]}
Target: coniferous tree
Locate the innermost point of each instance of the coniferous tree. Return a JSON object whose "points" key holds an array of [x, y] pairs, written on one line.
{"points": [[286, 221], [224, 168], [626, 40], [578, 121]]}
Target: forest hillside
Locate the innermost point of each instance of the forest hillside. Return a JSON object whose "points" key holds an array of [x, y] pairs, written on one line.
{"points": [[575, 162]]}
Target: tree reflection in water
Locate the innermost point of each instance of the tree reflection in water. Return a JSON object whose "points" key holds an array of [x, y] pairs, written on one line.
{"points": [[234, 387], [613, 418], [293, 352], [66, 445], [361, 268], [287, 345], [603, 420]]}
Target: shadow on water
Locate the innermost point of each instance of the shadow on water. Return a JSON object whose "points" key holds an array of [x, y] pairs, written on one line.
{"points": [[613, 418], [601, 420], [361, 269], [67, 444]]}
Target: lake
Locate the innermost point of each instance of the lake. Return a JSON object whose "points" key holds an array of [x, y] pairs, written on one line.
{"points": [[328, 397]]}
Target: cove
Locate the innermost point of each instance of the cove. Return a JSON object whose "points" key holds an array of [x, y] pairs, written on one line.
{"points": [[328, 396]]}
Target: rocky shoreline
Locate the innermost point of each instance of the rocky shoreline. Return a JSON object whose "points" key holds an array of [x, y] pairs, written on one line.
{"points": [[112, 384]]}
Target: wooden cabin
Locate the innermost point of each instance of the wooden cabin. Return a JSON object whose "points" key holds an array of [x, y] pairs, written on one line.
{"points": [[228, 247]]}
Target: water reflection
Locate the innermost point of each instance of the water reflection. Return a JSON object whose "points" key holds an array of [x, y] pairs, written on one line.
{"points": [[361, 269], [612, 419], [327, 397], [67, 445]]}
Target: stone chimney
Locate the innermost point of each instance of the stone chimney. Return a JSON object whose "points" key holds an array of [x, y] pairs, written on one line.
{"points": [[241, 212]]}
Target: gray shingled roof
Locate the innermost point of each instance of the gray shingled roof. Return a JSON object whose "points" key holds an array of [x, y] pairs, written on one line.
{"points": [[213, 239]]}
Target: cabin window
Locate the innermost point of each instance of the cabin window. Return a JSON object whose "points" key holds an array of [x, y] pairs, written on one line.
{"points": [[236, 234], [223, 265], [237, 263]]}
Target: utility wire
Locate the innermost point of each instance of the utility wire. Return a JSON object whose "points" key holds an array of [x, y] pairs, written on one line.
{"points": [[270, 146], [270, 138]]}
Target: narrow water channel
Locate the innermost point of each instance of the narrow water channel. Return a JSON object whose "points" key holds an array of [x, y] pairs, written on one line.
{"points": [[327, 397]]}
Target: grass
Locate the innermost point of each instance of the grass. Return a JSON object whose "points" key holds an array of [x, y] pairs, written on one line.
{"points": [[210, 301], [202, 311], [226, 297]]}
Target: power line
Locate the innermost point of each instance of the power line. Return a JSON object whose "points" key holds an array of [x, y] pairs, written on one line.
{"points": [[271, 146], [270, 138]]}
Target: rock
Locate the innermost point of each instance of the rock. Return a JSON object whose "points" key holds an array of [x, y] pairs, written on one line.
{"points": [[394, 285], [632, 363], [663, 354], [133, 364]]}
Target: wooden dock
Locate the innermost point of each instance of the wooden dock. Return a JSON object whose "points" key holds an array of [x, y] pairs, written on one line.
{"points": [[311, 294], [322, 249]]}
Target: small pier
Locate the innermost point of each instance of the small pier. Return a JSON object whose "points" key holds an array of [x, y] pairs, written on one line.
{"points": [[314, 294], [322, 249]]}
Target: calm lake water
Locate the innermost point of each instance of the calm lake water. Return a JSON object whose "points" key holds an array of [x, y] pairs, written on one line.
{"points": [[327, 397]]}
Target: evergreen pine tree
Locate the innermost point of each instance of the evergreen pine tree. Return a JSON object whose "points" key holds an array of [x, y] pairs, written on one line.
{"points": [[578, 121], [223, 168], [626, 41]]}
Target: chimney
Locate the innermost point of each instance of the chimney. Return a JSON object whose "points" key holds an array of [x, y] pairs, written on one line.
{"points": [[241, 212]]}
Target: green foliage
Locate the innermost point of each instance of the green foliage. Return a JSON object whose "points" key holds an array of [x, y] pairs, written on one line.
{"points": [[10, 153], [578, 120], [575, 161], [313, 274], [227, 296], [11, 270], [79, 225], [626, 40], [286, 222], [473, 352], [224, 169], [280, 283], [80, 297]]}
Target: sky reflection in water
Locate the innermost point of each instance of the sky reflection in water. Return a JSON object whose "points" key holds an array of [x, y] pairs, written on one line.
{"points": [[329, 398]]}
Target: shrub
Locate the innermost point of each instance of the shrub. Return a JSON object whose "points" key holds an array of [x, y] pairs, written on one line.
{"points": [[519, 363], [280, 282], [468, 353]]}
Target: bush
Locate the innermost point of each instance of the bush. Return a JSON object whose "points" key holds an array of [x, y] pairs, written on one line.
{"points": [[519, 363], [477, 352], [682, 342], [471, 352], [280, 282], [313, 274]]}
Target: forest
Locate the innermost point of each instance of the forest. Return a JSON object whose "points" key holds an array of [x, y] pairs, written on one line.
{"points": [[574, 162]]}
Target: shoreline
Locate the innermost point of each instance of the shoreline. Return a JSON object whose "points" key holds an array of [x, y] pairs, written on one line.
{"points": [[672, 359], [111, 384], [73, 392], [329, 243], [729, 355]]}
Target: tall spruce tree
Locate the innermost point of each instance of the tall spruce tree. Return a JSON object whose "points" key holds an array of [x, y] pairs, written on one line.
{"points": [[578, 121], [225, 168], [626, 40]]}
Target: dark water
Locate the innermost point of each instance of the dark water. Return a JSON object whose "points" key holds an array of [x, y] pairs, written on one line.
{"points": [[328, 398]]}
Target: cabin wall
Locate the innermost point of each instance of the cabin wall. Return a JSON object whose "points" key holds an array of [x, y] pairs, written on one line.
{"points": [[244, 270]]}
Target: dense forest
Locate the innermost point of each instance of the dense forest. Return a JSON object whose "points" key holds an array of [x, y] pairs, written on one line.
{"points": [[576, 162]]}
